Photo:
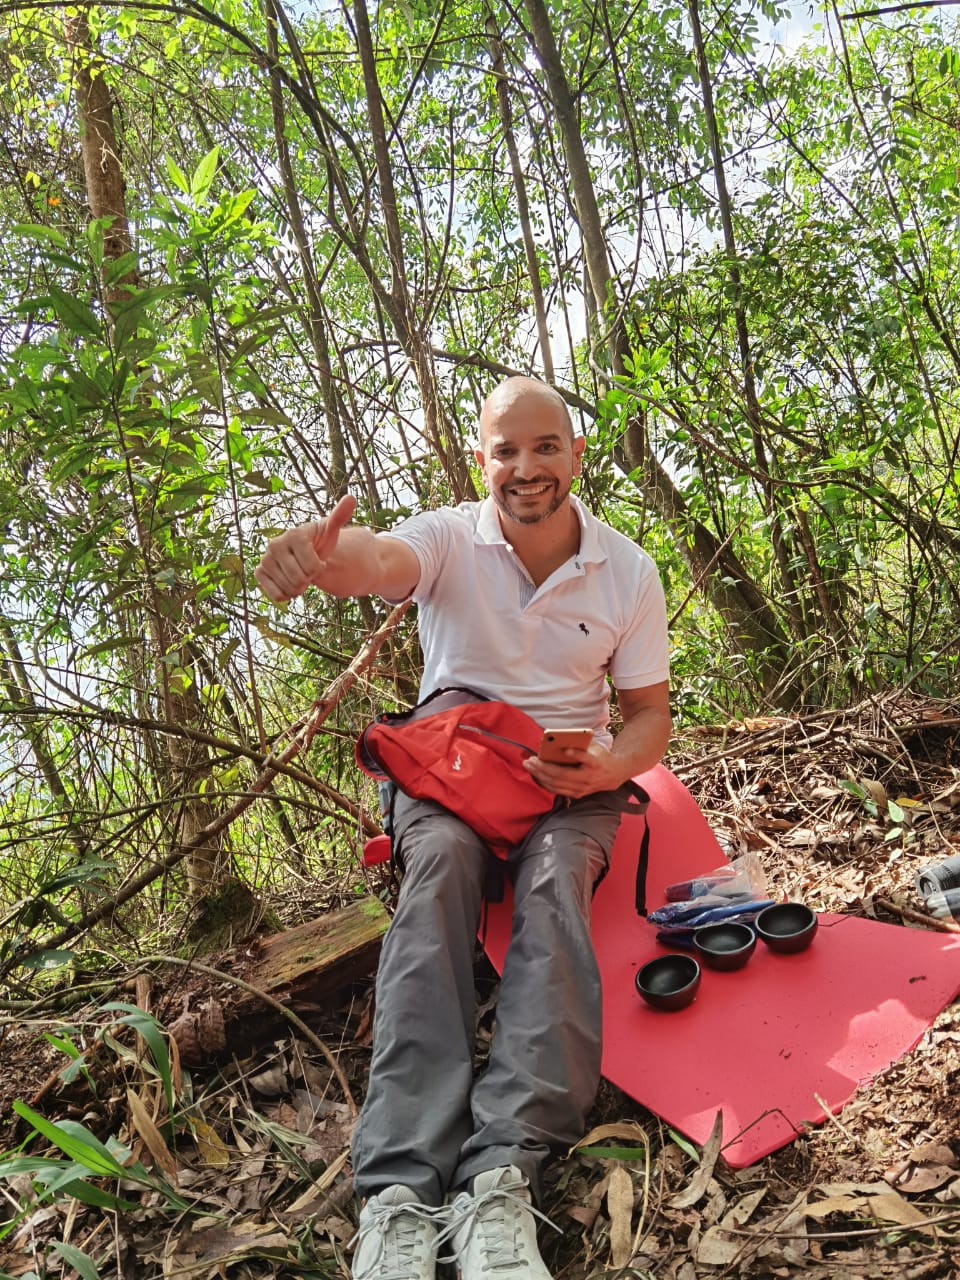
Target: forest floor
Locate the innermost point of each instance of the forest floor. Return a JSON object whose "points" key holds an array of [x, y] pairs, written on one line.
{"points": [[262, 1145]]}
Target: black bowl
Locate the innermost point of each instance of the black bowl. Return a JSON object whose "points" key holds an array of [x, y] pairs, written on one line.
{"points": [[787, 926], [726, 945], [669, 982]]}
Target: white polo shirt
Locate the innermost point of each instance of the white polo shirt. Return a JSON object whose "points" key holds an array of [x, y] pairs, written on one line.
{"points": [[548, 649]]}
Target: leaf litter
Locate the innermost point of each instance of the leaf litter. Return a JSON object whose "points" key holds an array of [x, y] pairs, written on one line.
{"points": [[842, 808]]}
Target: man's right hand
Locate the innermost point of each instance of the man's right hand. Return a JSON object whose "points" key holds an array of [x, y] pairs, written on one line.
{"points": [[298, 558]]}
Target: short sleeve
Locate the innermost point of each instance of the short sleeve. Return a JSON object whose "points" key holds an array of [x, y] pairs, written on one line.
{"points": [[642, 656], [429, 536]]}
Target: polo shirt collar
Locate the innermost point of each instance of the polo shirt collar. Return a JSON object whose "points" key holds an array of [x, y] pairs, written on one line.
{"points": [[591, 552]]}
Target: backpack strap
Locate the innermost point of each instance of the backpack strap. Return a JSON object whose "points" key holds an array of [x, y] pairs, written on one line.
{"points": [[630, 798], [635, 800], [440, 700], [643, 858]]}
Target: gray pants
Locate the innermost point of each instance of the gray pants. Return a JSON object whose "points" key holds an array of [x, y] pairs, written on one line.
{"points": [[425, 1123]]}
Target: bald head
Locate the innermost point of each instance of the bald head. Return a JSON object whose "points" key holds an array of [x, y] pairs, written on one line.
{"points": [[527, 397], [529, 454]]}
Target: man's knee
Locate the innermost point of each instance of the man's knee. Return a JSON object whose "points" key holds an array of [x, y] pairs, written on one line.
{"points": [[433, 845]]}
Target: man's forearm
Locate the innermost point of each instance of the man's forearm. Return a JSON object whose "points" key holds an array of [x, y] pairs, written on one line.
{"points": [[641, 742], [342, 561], [356, 567]]}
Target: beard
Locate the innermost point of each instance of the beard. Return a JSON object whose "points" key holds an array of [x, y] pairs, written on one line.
{"points": [[560, 495]]}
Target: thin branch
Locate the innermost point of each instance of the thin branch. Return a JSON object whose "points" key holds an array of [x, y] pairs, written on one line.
{"points": [[302, 733], [897, 8]]}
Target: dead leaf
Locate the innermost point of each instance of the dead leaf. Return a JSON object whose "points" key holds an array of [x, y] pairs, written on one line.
{"points": [[283, 1114], [701, 1179], [320, 1186], [624, 1130], [873, 1200], [874, 789], [934, 1153], [152, 1137], [742, 1211], [927, 1167], [917, 1178], [210, 1145], [800, 838], [620, 1208], [854, 1204], [717, 1249], [585, 1214], [783, 1237], [364, 1032], [889, 1207], [237, 1240], [272, 1082]]}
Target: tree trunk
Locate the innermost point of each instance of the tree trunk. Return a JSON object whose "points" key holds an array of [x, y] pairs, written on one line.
{"points": [[188, 761], [781, 549], [409, 328], [520, 191], [316, 326], [752, 622]]}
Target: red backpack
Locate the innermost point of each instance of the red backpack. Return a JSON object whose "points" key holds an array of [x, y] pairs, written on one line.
{"points": [[466, 752]]}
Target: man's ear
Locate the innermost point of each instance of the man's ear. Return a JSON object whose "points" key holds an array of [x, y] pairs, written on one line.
{"points": [[478, 454], [579, 444]]}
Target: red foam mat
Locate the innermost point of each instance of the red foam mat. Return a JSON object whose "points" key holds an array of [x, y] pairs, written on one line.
{"points": [[773, 1046]]}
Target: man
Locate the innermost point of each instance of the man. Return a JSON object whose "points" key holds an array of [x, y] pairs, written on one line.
{"points": [[526, 598]]}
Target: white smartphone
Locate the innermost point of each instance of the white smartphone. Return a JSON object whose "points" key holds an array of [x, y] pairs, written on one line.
{"points": [[556, 741]]}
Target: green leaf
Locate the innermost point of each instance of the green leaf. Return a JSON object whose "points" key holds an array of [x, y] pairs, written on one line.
{"points": [[95, 230], [34, 231], [853, 788], [74, 1188], [77, 317], [238, 447], [92, 869], [684, 1144], [204, 174], [81, 1262], [74, 1141], [63, 1043], [111, 646], [149, 1028], [31, 1165], [176, 175], [58, 1175], [894, 811]]}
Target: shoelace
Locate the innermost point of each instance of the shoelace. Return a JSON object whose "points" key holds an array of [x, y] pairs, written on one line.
{"points": [[489, 1210], [398, 1226]]}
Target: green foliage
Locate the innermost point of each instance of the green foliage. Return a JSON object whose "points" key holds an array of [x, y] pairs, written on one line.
{"points": [[83, 1167], [260, 342], [85, 1156]]}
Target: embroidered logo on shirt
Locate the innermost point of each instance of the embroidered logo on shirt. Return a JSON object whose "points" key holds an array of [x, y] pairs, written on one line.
{"points": [[584, 628]]}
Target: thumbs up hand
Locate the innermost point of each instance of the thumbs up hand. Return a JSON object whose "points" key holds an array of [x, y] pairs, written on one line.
{"points": [[300, 557]]}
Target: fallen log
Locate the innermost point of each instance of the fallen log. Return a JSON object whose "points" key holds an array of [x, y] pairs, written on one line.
{"points": [[239, 1000]]}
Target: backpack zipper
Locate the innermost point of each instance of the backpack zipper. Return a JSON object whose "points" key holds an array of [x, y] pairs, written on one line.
{"points": [[485, 733]]}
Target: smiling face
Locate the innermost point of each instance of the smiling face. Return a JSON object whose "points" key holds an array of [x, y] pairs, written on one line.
{"points": [[528, 453]]}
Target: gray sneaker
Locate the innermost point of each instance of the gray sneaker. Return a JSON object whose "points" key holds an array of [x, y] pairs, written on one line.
{"points": [[495, 1229], [397, 1237]]}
